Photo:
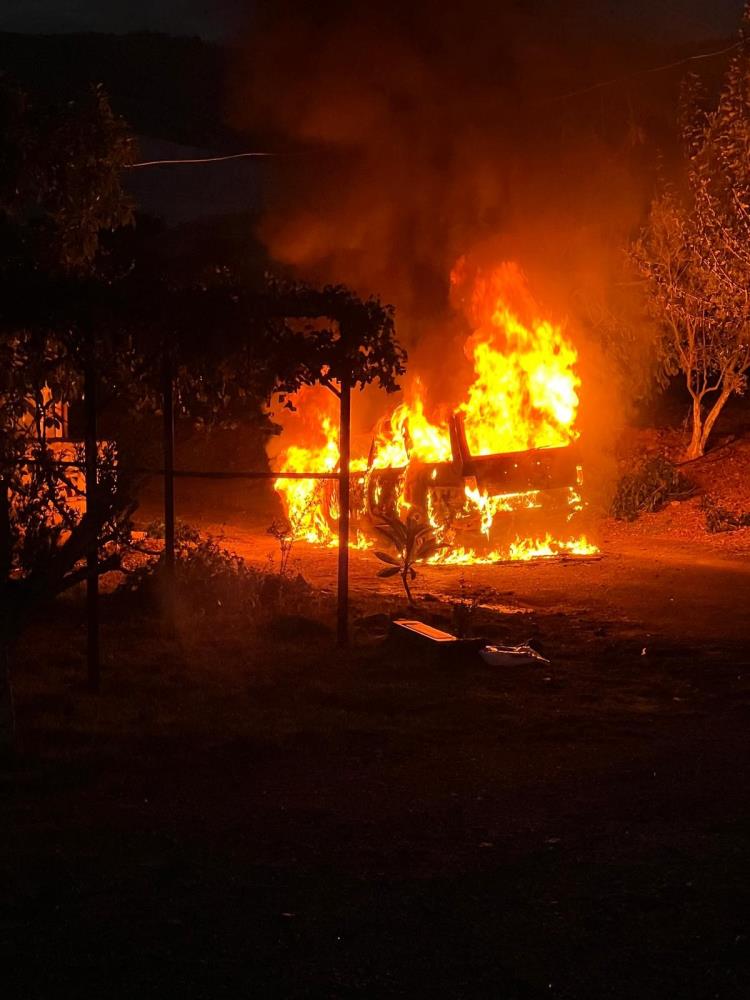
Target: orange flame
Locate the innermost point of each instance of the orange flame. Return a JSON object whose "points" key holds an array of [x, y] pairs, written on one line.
{"points": [[524, 393]]}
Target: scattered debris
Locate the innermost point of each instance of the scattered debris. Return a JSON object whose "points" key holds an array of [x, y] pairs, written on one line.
{"points": [[512, 656]]}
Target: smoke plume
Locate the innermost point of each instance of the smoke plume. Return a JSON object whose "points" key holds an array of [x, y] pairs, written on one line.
{"points": [[416, 133]]}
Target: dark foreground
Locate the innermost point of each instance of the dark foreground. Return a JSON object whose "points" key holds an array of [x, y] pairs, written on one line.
{"points": [[245, 813]]}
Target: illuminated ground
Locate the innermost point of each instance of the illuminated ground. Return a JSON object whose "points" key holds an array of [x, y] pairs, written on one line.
{"points": [[662, 574]]}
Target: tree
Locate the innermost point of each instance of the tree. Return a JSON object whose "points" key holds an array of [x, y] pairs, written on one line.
{"points": [[60, 180], [346, 343], [340, 336], [695, 251], [694, 338], [59, 189]]}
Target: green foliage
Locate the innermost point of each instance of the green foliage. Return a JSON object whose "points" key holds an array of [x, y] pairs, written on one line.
{"points": [[71, 302], [210, 578], [339, 336], [60, 178], [263, 340], [208, 575], [719, 519], [655, 483], [413, 541]]}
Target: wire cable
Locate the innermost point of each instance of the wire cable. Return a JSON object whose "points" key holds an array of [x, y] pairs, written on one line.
{"points": [[196, 159], [643, 72]]}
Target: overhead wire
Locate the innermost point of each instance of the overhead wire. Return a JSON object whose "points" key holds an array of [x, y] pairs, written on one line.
{"points": [[643, 72], [196, 159]]}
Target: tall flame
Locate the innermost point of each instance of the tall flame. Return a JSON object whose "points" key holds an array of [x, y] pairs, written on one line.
{"points": [[524, 394]]}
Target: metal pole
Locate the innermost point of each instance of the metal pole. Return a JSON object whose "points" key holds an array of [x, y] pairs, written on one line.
{"points": [[342, 632], [169, 518], [92, 553]]}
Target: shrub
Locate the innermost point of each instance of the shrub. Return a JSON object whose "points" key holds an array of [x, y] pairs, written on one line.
{"points": [[653, 484], [719, 519], [209, 576]]}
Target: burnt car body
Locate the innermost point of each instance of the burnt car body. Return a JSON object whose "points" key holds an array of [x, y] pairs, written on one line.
{"points": [[537, 484]]}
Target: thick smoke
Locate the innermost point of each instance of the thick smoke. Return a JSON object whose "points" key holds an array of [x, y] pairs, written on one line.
{"points": [[416, 134]]}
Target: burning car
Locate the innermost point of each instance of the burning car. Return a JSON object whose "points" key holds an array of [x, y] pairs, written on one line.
{"points": [[461, 497], [500, 477]]}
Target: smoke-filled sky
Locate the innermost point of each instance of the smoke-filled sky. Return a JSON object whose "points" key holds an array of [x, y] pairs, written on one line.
{"points": [[221, 18], [426, 132], [421, 134]]}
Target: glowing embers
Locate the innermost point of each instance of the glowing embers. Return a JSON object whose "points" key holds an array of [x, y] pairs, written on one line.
{"points": [[499, 477]]}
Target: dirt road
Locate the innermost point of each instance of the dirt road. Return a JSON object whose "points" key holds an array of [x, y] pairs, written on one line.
{"points": [[682, 590]]}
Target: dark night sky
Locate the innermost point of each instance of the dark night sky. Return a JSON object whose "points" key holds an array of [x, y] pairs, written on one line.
{"points": [[677, 19], [207, 18]]}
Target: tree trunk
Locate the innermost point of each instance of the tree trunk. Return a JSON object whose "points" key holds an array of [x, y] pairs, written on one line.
{"points": [[342, 631], [407, 588], [695, 448], [169, 518], [7, 713], [91, 448], [7, 710], [713, 414]]}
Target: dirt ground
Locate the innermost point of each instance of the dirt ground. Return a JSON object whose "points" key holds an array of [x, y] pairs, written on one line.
{"points": [[247, 811]]}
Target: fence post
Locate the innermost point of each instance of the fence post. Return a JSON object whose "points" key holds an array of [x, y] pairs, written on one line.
{"points": [[342, 631], [92, 552], [169, 518]]}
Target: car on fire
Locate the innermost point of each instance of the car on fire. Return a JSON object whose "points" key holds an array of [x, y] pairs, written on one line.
{"points": [[523, 484]]}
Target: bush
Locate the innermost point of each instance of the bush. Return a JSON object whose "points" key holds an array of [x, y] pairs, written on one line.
{"points": [[209, 576], [719, 519], [654, 483]]}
